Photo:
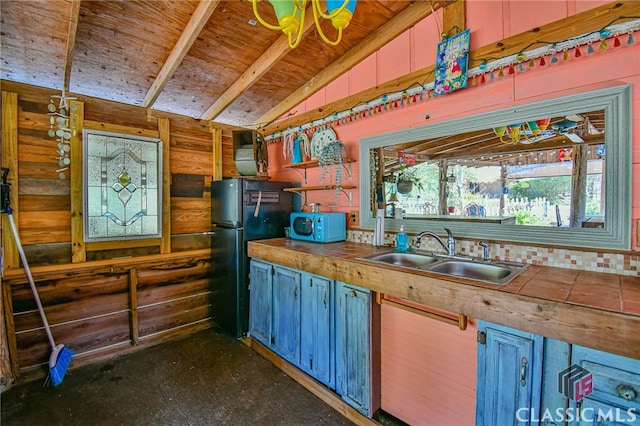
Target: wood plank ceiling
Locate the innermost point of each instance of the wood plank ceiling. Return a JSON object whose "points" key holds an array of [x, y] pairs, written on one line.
{"points": [[202, 59]]}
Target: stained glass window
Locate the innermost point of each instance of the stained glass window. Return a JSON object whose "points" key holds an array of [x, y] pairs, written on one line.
{"points": [[122, 186]]}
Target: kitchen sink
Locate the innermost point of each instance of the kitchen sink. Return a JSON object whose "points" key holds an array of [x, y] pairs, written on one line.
{"points": [[466, 267], [474, 270], [414, 260]]}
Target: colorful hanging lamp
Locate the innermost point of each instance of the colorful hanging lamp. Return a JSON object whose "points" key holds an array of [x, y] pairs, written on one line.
{"points": [[291, 16], [514, 132], [500, 131], [533, 126], [543, 123]]}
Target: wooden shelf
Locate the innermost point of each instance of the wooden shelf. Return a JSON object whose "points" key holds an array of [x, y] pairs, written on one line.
{"points": [[302, 168], [304, 165], [304, 189], [311, 163]]}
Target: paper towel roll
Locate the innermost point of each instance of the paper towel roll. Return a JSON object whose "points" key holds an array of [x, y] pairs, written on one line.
{"points": [[378, 232]]}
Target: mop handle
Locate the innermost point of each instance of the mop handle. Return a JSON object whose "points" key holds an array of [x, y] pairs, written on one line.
{"points": [[31, 283]]}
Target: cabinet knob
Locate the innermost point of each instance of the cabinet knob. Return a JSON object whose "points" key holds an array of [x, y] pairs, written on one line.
{"points": [[626, 392], [353, 293]]}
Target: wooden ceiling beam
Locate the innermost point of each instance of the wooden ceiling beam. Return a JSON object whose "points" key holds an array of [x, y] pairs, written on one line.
{"points": [[507, 154], [264, 63], [557, 142], [454, 16], [575, 25], [404, 20], [74, 15], [456, 143], [195, 25]]}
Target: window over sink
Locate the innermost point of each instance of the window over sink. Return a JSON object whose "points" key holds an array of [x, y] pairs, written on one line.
{"points": [[553, 172]]}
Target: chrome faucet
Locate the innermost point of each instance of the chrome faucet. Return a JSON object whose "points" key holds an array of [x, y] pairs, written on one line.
{"points": [[485, 250], [450, 246]]}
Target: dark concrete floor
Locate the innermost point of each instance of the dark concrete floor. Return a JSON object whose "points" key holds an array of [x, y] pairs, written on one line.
{"points": [[204, 379]]}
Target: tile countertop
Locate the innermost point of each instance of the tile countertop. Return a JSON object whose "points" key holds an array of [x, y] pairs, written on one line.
{"points": [[593, 309]]}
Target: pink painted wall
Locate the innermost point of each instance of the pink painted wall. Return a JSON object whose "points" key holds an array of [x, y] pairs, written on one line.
{"points": [[426, 363], [415, 49]]}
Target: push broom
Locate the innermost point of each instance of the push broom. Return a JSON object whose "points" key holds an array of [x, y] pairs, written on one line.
{"points": [[61, 355]]}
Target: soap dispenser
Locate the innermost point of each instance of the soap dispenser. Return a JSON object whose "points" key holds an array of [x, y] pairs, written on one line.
{"points": [[402, 240]]}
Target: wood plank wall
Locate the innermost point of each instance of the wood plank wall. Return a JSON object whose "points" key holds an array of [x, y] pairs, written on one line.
{"points": [[102, 308], [105, 306]]}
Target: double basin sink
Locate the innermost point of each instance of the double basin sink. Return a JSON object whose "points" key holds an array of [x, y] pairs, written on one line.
{"points": [[494, 272]]}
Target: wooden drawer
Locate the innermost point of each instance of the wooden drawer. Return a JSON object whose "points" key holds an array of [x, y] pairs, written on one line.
{"points": [[616, 388]]}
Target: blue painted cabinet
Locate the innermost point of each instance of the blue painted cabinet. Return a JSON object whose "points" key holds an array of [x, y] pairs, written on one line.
{"points": [[319, 325], [274, 308], [291, 312], [353, 346], [260, 301], [608, 388], [286, 313], [509, 380], [316, 324]]}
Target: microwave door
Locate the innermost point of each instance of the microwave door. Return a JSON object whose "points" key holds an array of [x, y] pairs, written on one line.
{"points": [[313, 228]]}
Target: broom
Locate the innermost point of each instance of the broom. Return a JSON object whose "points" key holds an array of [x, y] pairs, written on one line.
{"points": [[60, 357]]}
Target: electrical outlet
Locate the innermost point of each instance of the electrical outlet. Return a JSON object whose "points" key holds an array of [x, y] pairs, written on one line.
{"points": [[353, 219]]}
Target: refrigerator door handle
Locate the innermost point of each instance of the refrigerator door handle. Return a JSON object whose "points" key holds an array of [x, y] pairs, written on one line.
{"points": [[256, 212]]}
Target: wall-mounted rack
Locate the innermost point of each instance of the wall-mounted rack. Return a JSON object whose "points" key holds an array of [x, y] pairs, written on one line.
{"points": [[340, 188], [304, 165]]}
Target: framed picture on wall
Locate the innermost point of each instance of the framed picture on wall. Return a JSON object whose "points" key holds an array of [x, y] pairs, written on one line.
{"points": [[452, 61]]}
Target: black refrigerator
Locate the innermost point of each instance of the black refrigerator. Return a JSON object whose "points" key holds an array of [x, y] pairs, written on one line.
{"points": [[241, 210]]}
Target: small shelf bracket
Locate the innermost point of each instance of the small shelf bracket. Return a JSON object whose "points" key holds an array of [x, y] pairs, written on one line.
{"points": [[346, 189], [349, 196], [303, 173], [347, 168], [303, 166], [303, 198]]}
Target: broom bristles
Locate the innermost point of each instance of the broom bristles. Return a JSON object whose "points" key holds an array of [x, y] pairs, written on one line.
{"points": [[59, 363]]}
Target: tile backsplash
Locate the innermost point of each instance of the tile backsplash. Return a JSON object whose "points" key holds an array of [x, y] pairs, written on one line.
{"points": [[600, 261]]}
